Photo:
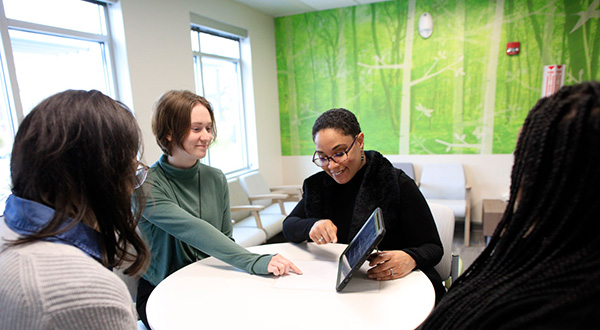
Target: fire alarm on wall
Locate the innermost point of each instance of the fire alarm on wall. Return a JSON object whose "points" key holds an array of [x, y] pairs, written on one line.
{"points": [[513, 48]]}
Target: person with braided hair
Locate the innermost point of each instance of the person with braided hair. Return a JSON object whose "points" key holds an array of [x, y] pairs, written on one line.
{"points": [[541, 269]]}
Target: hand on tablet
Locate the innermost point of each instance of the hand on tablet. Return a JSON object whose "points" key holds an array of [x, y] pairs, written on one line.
{"points": [[279, 265], [390, 265], [323, 232]]}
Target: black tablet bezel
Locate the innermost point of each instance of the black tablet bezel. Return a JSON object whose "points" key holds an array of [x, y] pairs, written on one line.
{"points": [[376, 219]]}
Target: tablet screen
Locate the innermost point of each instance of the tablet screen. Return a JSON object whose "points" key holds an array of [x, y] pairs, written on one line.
{"points": [[360, 248]]}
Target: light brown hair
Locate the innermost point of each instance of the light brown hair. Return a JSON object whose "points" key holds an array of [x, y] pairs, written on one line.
{"points": [[171, 120]]}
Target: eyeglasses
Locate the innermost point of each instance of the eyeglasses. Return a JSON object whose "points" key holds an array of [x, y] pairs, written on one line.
{"points": [[141, 173], [322, 160]]}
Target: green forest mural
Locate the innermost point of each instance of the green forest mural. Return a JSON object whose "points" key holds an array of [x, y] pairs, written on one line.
{"points": [[457, 92]]}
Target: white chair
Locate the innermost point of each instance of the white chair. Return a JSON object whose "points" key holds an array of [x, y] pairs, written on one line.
{"points": [[408, 168], [259, 193], [131, 281], [252, 224], [445, 184], [450, 266]]}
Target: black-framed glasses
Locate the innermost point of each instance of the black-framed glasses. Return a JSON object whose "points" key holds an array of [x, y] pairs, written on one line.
{"points": [[322, 160], [141, 172]]}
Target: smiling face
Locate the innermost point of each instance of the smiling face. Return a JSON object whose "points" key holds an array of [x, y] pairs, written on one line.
{"points": [[196, 142], [329, 142]]}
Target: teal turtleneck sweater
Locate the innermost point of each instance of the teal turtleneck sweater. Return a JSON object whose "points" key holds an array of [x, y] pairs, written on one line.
{"points": [[187, 218]]}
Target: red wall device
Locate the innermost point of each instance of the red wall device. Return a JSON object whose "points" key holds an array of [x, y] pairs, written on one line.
{"points": [[513, 48]]}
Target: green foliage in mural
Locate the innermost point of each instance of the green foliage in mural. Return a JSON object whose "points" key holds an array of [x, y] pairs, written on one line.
{"points": [[456, 92], [552, 32]]}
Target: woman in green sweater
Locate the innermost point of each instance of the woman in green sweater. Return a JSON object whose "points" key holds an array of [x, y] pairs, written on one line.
{"points": [[187, 216]]}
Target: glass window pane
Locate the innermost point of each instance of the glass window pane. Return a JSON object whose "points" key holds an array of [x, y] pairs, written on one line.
{"points": [[68, 14], [7, 131], [198, 75], [222, 88], [210, 44], [47, 64]]}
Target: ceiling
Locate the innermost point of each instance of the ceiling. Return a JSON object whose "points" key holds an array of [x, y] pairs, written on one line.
{"points": [[277, 8]]}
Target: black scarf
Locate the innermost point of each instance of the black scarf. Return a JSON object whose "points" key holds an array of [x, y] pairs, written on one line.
{"points": [[380, 182]]}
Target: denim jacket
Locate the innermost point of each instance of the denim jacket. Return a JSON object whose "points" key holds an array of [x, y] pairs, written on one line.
{"points": [[26, 217]]}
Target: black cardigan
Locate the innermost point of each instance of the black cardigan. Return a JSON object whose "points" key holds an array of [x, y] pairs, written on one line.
{"points": [[408, 221]]}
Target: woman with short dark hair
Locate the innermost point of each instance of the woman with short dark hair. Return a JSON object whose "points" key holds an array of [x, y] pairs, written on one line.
{"points": [[69, 218], [338, 200]]}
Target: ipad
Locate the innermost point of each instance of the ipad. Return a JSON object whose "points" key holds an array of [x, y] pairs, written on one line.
{"points": [[360, 248]]}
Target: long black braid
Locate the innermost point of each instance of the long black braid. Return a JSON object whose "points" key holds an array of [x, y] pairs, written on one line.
{"points": [[542, 265]]}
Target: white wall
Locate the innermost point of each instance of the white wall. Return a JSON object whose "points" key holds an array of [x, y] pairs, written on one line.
{"points": [[157, 49]]}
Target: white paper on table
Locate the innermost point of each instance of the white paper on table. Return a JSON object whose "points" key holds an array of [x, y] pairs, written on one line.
{"points": [[316, 275], [322, 275]]}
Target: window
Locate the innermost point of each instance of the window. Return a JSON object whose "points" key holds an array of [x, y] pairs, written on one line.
{"points": [[217, 68], [48, 47], [7, 132]]}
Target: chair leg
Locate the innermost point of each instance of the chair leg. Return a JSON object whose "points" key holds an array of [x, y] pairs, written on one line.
{"points": [[467, 232], [455, 270], [468, 225], [282, 207]]}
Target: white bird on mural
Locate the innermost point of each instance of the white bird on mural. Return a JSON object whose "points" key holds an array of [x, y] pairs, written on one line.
{"points": [[584, 16]]}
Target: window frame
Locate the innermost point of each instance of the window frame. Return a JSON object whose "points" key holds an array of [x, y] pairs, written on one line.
{"points": [[9, 84], [8, 62], [240, 36]]}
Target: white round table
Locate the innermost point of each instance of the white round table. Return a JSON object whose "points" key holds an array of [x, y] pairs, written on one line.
{"points": [[210, 294]]}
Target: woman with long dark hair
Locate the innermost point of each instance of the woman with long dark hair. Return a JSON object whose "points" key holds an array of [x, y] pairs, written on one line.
{"points": [[69, 219], [541, 269]]}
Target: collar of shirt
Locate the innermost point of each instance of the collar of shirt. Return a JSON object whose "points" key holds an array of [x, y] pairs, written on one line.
{"points": [[178, 173], [26, 217]]}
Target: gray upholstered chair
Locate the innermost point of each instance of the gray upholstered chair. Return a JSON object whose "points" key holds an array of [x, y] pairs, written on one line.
{"points": [[250, 220], [259, 193], [408, 168], [446, 184]]}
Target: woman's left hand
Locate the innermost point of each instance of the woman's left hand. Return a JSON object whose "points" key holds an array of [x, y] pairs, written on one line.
{"points": [[390, 265]]}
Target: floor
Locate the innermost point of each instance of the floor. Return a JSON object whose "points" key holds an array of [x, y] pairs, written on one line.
{"points": [[467, 253]]}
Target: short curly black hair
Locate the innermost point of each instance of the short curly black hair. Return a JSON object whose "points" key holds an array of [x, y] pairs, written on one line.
{"points": [[340, 119]]}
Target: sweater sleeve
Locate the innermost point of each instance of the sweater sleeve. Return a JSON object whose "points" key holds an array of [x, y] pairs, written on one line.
{"points": [[163, 212], [296, 225], [227, 225]]}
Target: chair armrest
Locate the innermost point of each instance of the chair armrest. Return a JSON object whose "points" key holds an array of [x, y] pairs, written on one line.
{"points": [[268, 196], [250, 208], [279, 198], [254, 209], [285, 188], [294, 191]]}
